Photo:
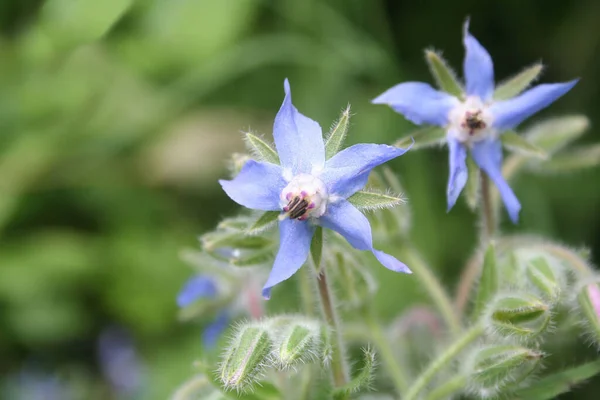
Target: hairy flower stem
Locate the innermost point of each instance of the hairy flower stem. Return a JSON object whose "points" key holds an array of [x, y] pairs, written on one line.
{"points": [[339, 367], [442, 361], [392, 367], [438, 294], [487, 208]]}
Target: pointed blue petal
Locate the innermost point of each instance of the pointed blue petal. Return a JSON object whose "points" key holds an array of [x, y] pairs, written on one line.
{"points": [[294, 243], [257, 186], [510, 113], [419, 103], [213, 331], [299, 139], [347, 172], [488, 155], [478, 68], [349, 222], [458, 171], [197, 287]]}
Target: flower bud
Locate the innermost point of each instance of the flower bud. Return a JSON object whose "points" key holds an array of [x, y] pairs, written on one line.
{"points": [[544, 278], [246, 357], [499, 367], [298, 343], [519, 315], [589, 304]]}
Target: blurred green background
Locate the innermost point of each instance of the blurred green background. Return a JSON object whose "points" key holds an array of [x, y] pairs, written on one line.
{"points": [[118, 116]]}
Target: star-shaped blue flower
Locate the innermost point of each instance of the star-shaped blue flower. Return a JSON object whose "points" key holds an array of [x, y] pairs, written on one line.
{"points": [[474, 121], [309, 190]]}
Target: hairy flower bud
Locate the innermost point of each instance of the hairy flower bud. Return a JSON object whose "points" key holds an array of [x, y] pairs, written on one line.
{"points": [[544, 278], [246, 358], [589, 304], [496, 368], [298, 343], [519, 315]]}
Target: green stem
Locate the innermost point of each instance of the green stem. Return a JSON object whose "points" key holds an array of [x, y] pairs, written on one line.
{"points": [[487, 208], [339, 368], [447, 389], [438, 294], [306, 290], [443, 360], [392, 367]]}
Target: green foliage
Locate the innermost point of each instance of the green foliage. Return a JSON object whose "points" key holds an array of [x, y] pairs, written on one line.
{"points": [[516, 142]]}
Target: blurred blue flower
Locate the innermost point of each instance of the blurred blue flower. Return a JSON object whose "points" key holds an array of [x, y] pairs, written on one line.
{"points": [[204, 287], [119, 362], [474, 121], [310, 190]]}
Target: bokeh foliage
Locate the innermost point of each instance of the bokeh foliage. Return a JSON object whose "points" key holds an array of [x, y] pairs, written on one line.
{"points": [[117, 116]]}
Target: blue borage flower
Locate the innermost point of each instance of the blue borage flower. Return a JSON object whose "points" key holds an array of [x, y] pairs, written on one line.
{"points": [[204, 287], [474, 121], [310, 190]]}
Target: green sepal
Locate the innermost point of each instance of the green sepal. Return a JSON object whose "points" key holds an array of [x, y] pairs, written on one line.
{"points": [[542, 276], [556, 133], [443, 74], [298, 342], [520, 316], [316, 248], [424, 137], [215, 240], [572, 160], [264, 222], [497, 367], [488, 283], [553, 385], [370, 200], [473, 184], [337, 134], [247, 356], [518, 83], [261, 149], [515, 142], [361, 380]]}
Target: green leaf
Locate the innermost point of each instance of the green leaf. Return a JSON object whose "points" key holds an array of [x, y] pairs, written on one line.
{"points": [[261, 149], [316, 247], [215, 240], [473, 183], [554, 134], [443, 74], [362, 379], [515, 85], [367, 200], [264, 222], [337, 134], [423, 137], [513, 141], [553, 385], [72, 23], [587, 157], [488, 283]]}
